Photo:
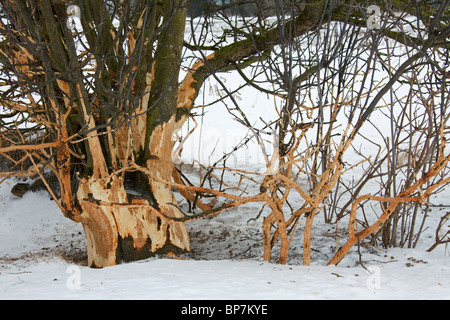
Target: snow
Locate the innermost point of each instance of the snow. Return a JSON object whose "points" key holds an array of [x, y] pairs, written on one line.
{"points": [[180, 280]]}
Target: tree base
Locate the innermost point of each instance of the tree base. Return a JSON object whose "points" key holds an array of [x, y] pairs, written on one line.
{"points": [[118, 231]]}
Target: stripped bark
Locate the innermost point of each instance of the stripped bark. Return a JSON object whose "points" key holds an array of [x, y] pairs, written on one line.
{"points": [[405, 196]]}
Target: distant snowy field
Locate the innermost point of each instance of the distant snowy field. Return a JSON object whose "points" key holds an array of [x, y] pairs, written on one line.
{"points": [[42, 254]]}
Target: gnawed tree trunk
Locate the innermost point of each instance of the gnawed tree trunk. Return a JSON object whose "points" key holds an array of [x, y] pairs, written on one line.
{"points": [[121, 225], [124, 205], [121, 230]]}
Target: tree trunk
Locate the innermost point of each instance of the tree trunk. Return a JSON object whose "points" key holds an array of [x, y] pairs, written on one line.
{"points": [[121, 225], [121, 229], [126, 208]]}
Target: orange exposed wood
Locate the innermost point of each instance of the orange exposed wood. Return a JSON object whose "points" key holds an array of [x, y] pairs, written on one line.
{"points": [[404, 196], [186, 92]]}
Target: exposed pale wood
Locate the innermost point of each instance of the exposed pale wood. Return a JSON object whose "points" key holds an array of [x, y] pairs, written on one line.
{"points": [[112, 228], [33, 171], [161, 146], [404, 196], [31, 146], [188, 195], [187, 91]]}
